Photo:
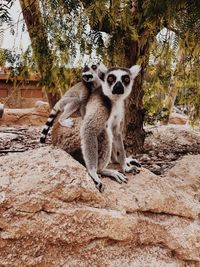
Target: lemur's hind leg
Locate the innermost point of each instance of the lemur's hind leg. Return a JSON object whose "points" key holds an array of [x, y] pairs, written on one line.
{"points": [[89, 145], [69, 109], [114, 158], [105, 148]]}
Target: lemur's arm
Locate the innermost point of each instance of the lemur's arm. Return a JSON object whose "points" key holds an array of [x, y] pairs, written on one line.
{"points": [[89, 143]]}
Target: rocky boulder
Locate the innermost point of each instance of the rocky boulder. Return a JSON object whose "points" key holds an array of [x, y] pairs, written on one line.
{"points": [[52, 215], [30, 116], [176, 118]]}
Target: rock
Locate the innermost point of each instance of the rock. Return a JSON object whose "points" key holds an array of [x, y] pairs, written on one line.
{"points": [[154, 158], [30, 116], [42, 107], [1, 109], [155, 169], [8, 136], [52, 215], [176, 118], [167, 138], [145, 158]]}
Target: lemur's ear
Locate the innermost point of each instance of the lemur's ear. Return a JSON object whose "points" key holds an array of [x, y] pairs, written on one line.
{"points": [[102, 69], [135, 69]]}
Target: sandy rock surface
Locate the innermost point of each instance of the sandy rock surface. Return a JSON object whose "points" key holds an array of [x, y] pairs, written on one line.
{"points": [[19, 139], [176, 118], [166, 144], [29, 116], [52, 215]]}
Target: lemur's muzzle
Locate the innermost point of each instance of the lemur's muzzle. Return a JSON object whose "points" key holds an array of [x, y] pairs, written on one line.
{"points": [[87, 77], [118, 89]]}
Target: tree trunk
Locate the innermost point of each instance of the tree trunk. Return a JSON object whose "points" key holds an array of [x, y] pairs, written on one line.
{"points": [[169, 101], [53, 98], [39, 42], [134, 132], [173, 88]]}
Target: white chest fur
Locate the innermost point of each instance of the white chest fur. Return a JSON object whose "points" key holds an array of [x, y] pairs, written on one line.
{"points": [[116, 116]]}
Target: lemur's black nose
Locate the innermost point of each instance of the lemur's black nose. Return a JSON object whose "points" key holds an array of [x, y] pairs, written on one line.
{"points": [[87, 77], [118, 89]]}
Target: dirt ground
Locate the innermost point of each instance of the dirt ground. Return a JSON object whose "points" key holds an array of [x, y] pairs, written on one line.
{"points": [[164, 145]]}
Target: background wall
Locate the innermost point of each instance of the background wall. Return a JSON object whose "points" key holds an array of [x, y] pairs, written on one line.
{"points": [[20, 94]]}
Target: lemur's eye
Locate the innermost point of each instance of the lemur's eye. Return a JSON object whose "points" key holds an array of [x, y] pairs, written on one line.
{"points": [[86, 68], [111, 78], [126, 79], [94, 67]]}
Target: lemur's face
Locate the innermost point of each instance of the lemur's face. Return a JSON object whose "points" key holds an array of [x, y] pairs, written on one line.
{"points": [[90, 73], [117, 83]]}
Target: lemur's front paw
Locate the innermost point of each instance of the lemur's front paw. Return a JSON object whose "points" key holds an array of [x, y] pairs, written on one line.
{"points": [[131, 165], [67, 123], [119, 177]]}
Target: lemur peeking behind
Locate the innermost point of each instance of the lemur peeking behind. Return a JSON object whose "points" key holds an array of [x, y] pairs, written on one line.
{"points": [[74, 99]]}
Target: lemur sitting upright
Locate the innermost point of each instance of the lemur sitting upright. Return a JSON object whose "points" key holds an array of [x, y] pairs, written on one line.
{"points": [[103, 123], [74, 99]]}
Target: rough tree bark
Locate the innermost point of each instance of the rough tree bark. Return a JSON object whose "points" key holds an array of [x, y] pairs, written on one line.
{"points": [[134, 131], [39, 43]]}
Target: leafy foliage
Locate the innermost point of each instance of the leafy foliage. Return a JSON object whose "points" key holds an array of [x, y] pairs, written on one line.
{"points": [[167, 64], [122, 33], [5, 18], [4, 12]]}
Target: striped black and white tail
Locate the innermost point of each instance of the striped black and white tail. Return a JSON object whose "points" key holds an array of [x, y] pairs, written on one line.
{"points": [[48, 125]]}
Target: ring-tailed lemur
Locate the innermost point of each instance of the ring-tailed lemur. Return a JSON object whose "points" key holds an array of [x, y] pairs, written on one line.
{"points": [[102, 125], [74, 99]]}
